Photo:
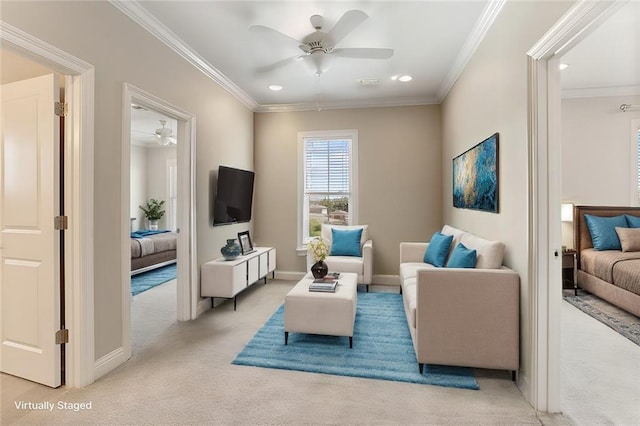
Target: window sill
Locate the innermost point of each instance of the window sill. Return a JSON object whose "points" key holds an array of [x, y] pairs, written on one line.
{"points": [[301, 251]]}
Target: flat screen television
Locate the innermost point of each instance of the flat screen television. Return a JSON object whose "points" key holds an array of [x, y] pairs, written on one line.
{"points": [[233, 196]]}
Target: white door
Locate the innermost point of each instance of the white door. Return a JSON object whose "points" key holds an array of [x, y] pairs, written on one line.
{"points": [[29, 245]]}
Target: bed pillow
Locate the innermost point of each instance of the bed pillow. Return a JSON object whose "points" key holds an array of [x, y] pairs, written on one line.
{"points": [[603, 231], [462, 257], [438, 249], [632, 221], [629, 238], [346, 243]]}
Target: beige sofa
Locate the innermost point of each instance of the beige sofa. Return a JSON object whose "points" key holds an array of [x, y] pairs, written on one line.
{"points": [[462, 317]]}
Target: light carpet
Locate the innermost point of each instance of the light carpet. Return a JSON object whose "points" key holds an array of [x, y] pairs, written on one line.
{"points": [[382, 348], [623, 322], [146, 280]]}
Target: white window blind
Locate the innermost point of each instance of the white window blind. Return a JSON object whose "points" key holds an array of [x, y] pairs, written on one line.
{"points": [[327, 186]]}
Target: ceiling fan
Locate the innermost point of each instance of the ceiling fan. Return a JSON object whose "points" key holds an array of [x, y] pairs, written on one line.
{"points": [[163, 134], [319, 48]]}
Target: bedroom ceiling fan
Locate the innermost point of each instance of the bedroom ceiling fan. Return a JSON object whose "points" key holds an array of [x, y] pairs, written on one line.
{"points": [[164, 134], [319, 48]]}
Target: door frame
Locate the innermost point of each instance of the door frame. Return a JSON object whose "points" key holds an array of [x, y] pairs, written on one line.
{"points": [[544, 195], [187, 289], [78, 186]]}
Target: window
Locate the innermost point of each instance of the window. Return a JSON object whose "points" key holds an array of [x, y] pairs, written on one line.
{"points": [[638, 166], [635, 163], [327, 180]]}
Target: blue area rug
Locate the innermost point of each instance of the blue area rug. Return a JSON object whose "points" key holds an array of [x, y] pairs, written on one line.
{"points": [[146, 280], [382, 348]]}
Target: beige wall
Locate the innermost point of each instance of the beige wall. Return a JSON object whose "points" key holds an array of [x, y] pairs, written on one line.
{"points": [[491, 96], [121, 51], [14, 67], [138, 179], [596, 150], [399, 181]]}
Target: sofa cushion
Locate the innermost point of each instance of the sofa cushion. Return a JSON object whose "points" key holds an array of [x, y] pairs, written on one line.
{"points": [[603, 232], [346, 242], [438, 249], [490, 253], [327, 235], [410, 269], [462, 257], [345, 264], [410, 295], [456, 233]]}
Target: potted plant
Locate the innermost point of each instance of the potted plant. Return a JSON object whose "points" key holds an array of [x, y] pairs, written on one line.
{"points": [[153, 211], [319, 250]]}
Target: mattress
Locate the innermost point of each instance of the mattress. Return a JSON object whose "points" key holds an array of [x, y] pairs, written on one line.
{"points": [[151, 244], [621, 269]]}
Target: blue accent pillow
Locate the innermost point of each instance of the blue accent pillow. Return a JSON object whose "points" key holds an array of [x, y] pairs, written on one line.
{"points": [[462, 257], [632, 221], [346, 242], [603, 231], [438, 249]]}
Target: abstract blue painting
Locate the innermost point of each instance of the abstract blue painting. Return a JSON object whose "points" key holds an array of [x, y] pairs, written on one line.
{"points": [[475, 177]]}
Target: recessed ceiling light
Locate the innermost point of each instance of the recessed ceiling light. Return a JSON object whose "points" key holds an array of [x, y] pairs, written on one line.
{"points": [[369, 81], [563, 66], [394, 77], [405, 78], [275, 87]]}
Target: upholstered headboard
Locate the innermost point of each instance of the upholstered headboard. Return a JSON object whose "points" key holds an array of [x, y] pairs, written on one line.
{"points": [[581, 235]]}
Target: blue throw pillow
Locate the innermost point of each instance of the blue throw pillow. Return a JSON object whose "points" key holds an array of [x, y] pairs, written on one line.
{"points": [[632, 221], [603, 231], [346, 242], [438, 249], [462, 257]]}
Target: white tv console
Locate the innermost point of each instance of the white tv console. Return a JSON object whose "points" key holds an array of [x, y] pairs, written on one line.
{"points": [[226, 278]]}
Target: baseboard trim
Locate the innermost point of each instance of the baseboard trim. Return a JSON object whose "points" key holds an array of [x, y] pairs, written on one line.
{"points": [[109, 362], [385, 280], [203, 306], [289, 275]]}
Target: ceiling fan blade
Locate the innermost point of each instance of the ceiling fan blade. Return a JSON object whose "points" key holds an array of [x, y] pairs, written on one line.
{"points": [[364, 53], [347, 23], [270, 32], [280, 64]]}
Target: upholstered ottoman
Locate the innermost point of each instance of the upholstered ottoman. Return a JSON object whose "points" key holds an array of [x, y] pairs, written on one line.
{"points": [[332, 314]]}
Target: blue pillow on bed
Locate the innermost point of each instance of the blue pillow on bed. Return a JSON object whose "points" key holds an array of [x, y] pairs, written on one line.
{"points": [[632, 221], [603, 231]]}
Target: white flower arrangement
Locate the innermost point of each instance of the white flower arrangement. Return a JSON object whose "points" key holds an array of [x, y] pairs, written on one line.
{"points": [[318, 249]]}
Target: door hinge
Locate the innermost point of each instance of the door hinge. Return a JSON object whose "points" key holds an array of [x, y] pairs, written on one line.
{"points": [[62, 336], [60, 222], [60, 109]]}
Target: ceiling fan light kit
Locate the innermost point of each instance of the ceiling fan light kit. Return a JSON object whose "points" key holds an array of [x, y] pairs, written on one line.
{"points": [[319, 48], [163, 134]]}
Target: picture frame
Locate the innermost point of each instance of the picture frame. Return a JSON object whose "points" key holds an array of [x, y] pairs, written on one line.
{"points": [[475, 176], [244, 239]]}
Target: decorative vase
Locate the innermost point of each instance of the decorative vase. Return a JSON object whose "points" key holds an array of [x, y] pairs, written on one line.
{"points": [[231, 250], [153, 225], [319, 269]]}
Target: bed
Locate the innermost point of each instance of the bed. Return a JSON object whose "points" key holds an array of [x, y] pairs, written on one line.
{"points": [[151, 250], [613, 275]]}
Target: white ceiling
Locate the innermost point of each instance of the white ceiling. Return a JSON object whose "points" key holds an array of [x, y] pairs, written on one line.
{"points": [[144, 123], [432, 41]]}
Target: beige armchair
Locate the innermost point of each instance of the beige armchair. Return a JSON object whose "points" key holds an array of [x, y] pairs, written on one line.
{"points": [[361, 265]]}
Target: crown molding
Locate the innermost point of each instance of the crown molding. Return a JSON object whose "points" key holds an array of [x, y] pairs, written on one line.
{"points": [[489, 15], [600, 92], [370, 103], [142, 17]]}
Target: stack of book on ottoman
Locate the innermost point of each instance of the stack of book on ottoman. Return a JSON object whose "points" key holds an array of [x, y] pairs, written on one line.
{"points": [[327, 284]]}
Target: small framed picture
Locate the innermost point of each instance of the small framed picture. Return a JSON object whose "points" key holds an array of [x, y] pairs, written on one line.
{"points": [[246, 246]]}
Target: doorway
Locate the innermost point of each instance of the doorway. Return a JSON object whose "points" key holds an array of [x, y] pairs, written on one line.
{"points": [[182, 210], [153, 215], [544, 232]]}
